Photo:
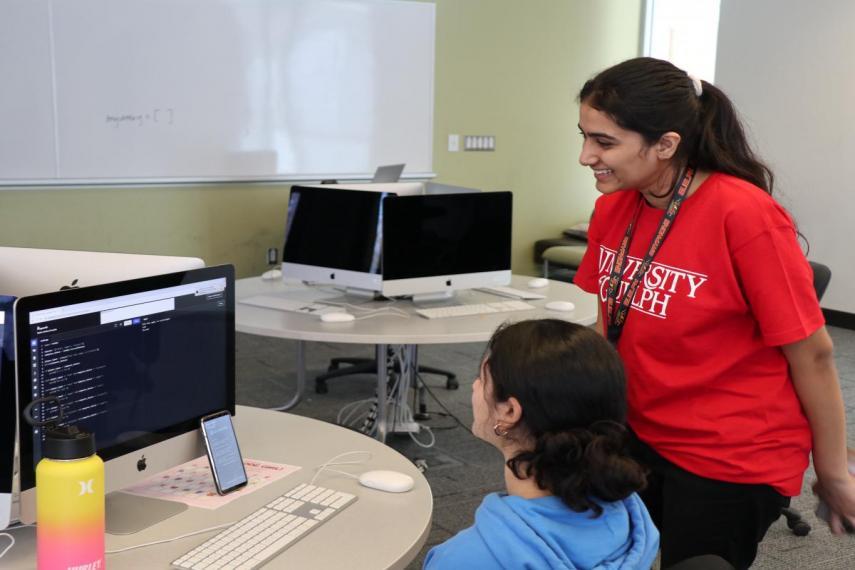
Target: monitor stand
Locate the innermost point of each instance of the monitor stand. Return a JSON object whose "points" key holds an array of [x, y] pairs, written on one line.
{"points": [[127, 514], [428, 297], [358, 292]]}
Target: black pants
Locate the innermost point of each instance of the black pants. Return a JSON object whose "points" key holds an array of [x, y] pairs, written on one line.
{"points": [[696, 515]]}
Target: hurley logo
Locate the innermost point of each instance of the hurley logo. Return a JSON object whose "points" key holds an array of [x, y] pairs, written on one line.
{"points": [[86, 487]]}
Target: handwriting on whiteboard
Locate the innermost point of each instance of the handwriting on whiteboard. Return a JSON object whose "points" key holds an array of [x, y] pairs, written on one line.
{"points": [[155, 116]]}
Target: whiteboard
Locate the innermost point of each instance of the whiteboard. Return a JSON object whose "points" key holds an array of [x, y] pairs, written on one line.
{"points": [[132, 91]]}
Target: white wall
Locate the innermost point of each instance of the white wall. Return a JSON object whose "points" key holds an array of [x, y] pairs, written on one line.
{"points": [[789, 67]]}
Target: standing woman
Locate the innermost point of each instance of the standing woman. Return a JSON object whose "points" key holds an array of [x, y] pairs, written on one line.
{"points": [[707, 296]]}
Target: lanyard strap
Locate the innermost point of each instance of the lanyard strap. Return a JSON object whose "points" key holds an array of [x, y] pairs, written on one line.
{"points": [[616, 311]]}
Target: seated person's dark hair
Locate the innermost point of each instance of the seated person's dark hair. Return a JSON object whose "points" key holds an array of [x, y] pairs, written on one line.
{"points": [[571, 386]]}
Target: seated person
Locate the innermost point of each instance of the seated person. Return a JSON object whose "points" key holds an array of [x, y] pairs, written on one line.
{"points": [[551, 397]]}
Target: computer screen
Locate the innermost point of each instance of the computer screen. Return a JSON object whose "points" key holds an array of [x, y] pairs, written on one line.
{"points": [[137, 363], [8, 413], [443, 242], [388, 173], [334, 236]]}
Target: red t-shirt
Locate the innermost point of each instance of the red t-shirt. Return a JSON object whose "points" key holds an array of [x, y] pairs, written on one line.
{"points": [[707, 383]]}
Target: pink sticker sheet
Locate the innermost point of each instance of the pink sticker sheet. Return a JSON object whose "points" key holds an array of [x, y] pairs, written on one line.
{"points": [[192, 483]]}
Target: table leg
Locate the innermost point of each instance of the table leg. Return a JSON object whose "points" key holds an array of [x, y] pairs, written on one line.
{"points": [[301, 379], [412, 352], [382, 381]]}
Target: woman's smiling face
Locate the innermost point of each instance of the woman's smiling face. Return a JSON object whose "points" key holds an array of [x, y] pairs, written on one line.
{"points": [[620, 159]]}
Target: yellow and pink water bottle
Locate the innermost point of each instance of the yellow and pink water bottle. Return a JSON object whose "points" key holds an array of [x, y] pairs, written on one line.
{"points": [[69, 501]]}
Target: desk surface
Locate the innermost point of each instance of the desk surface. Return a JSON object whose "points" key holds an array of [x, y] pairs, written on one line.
{"points": [[389, 329], [380, 530]]}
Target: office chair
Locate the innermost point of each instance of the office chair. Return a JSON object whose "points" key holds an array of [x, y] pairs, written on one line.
{"points": [[369, 366], [821, 278], [563, 256]]}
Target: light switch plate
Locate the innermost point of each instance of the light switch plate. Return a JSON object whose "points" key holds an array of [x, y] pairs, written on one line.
{"points": [[453, 143]]}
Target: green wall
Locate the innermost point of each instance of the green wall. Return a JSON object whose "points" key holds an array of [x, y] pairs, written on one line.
{"points": [[512, 68], [509, 68]]}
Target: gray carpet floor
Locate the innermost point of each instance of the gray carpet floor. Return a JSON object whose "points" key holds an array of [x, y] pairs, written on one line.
{"points": [[461, 469]]}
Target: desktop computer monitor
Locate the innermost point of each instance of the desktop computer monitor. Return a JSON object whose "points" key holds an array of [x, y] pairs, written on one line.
{"points": [[333, 235], [8, 412], [27, 271], [137, 363], [435, 244], [397, 188]]}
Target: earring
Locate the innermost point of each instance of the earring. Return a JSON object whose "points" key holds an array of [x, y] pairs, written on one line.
{"points": [[499, 432]]}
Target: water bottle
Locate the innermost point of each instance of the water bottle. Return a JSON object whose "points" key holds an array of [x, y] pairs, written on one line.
{"points": [[69, 499]]}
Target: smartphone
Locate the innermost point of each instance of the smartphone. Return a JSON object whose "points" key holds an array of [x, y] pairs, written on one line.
{"points": [[223, 452]]}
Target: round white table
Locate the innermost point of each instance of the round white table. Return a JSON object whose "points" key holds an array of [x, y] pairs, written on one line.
{"points": [[379, 530], [385, 330]]}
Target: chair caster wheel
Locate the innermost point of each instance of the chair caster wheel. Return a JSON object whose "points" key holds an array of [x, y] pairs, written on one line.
{"points": [[452, 384], [800, 528]]}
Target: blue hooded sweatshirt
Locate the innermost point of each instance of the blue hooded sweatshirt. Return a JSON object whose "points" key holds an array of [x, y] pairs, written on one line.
{"points": [[513, 533]]}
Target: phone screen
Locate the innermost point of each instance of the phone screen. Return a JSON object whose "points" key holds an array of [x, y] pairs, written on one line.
{"points": [[223, 452]]}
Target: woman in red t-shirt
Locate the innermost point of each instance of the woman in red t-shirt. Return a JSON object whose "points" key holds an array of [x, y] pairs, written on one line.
{"points": [[710, 302]]}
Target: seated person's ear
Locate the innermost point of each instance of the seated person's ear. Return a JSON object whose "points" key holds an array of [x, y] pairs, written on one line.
{"points": [[509, 412]]}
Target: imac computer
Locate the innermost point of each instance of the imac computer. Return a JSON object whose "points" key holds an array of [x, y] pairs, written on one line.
{"points": [[137, 363], [436, 244], [27, 271], [333, 235], [397, 188], [8, 412], [437, 188]]}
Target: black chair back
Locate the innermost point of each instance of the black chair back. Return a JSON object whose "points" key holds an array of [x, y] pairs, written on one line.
{"points": [[821, 278]]}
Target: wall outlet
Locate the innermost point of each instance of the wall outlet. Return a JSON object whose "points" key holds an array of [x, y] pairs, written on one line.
{"points": [[479, 142]]}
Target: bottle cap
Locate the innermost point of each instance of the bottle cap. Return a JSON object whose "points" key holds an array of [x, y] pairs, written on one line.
{"points": [[68, 442]]}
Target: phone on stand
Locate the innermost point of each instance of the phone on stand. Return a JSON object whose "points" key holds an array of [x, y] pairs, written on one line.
{"points": [[223, 452]]}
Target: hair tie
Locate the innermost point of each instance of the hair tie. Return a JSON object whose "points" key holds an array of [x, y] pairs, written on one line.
{"points": [[696, 83]]}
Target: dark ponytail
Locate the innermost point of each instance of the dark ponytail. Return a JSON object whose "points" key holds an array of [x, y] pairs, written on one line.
{"points": [[652, 97], [571, 387], [723, 146]]}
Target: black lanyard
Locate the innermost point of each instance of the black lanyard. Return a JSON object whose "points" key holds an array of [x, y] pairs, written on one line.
{"points": [[616, 311]]}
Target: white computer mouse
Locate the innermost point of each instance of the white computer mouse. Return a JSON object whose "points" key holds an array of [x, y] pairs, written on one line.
{"points": [[561, 306], [389, 481], [271, 274], [337, 317], [538, 283]]}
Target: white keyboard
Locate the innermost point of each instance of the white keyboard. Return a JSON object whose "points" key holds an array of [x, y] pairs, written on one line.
{"points": [[291, 305], [260, 536], [478, 309], [512, 293]]}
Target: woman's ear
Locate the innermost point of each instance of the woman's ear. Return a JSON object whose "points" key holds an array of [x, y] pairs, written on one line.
{"points": [[667, 145], [509, 412]]}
